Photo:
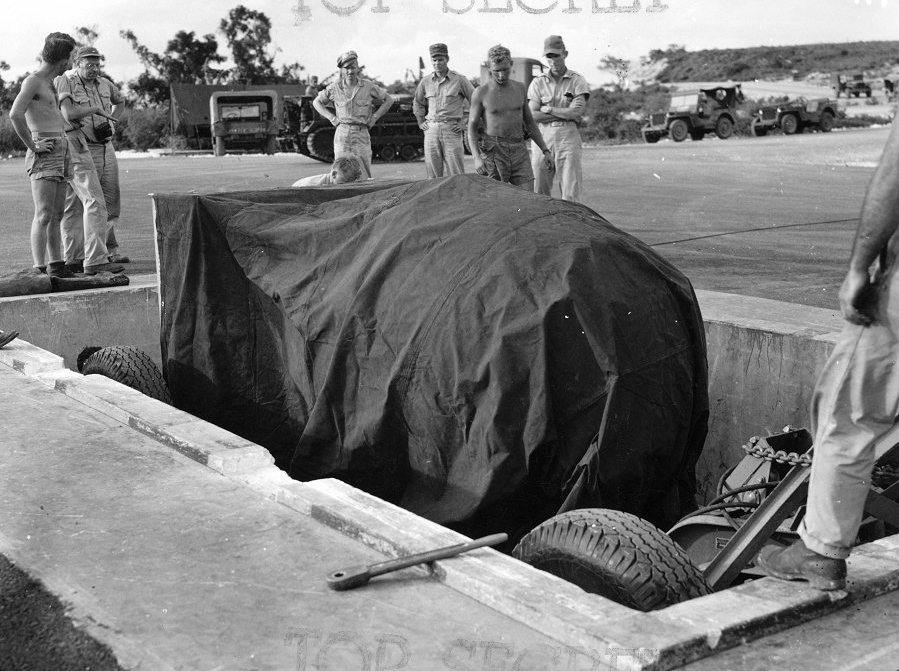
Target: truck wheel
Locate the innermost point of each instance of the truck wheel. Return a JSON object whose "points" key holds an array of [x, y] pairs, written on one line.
{"points": [[789, 124], [131, 367], [219, 149], [408, 152], [387, 153], [679, 130], [616, 555], [826, 123], [724, 127]]}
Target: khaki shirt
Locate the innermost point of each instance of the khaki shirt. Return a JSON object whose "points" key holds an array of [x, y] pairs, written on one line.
{"points": [[85, 93], [442, 100], [546, 91], [353, 104]]}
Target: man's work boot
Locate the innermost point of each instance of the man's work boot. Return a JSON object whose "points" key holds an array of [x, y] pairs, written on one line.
{"points": [[118, 258], [58, 269], [76, 267], [103, 268], [797, 562]]}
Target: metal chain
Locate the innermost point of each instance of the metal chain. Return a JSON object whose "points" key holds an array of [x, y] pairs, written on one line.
{"points": [[768, 453], [882, 475]]}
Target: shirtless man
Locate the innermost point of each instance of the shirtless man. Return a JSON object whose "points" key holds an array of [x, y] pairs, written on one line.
{"points": [[37, 121], [503, 105]]}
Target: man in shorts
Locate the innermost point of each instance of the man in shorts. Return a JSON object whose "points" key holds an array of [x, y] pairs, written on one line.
{"points": [[37, 121], [502, 104]]}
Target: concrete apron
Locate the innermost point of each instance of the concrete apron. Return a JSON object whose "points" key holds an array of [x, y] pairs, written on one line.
{"points": [[180, 545]]}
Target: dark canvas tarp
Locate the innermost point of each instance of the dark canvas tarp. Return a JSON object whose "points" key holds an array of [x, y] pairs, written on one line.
{"points": [[476, 353]]}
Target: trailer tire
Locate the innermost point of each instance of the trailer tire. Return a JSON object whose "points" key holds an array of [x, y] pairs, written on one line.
{"points": [[616, 555], [826, 123], [130, 366]]}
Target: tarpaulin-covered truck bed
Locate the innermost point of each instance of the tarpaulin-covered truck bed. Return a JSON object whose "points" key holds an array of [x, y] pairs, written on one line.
{"points": [[480, 355]]}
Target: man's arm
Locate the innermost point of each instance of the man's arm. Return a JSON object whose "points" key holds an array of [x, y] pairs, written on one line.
{"points": [[536, 135], [879, 221], [382, 110], [318, 102], [535, 104], [475, 112], [72, 112], [573, 112], [420, 105], [30, 88]]}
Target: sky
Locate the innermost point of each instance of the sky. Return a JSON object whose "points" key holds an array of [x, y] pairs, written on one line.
{"points": [[391, 35]]}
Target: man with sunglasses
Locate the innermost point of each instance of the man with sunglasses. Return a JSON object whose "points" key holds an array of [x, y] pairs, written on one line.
{"points": [[89, 102], [558, 99]]}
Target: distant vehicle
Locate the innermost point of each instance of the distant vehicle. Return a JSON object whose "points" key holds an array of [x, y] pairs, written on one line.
{"points": [[695, 113], [795, 116], [854, 87], [245, 120], [396, 133]]}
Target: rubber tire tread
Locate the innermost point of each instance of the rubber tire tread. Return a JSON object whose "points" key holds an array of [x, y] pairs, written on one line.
{"points": [[616, 555], [130, 366]]}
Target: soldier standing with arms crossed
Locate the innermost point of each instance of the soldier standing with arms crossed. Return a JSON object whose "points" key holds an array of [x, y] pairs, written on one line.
{"points": [[438, 106], [502, 104], [557, 99]]}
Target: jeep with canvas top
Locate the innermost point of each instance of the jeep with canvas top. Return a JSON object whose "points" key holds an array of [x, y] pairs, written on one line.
{"points": [[694, 113]]}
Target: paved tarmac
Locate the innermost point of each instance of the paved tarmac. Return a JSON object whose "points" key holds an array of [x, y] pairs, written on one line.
{"points": [[771, 217]]}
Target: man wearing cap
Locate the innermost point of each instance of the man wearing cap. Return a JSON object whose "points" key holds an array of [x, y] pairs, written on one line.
{"points": [[557, 99], [501, 103], [353, 99], [89, 103], [438, 106]]}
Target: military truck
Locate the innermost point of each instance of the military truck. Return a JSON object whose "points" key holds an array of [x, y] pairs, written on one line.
{"points": [[854, 86], [192, 114], [695, 113], [395, 135], [795, 116], [245, 121]]}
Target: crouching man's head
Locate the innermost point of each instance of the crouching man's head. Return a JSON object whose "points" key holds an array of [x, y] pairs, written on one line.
{"points": [[346, 169]]}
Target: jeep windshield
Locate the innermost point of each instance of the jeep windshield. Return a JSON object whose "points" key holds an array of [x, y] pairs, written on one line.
{"points": [[684, 103]]}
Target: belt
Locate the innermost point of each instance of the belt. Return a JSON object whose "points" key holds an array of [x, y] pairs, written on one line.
{"points": [[45, 133], [450, 121], [556, 123], [352, 123], [505, 139]]}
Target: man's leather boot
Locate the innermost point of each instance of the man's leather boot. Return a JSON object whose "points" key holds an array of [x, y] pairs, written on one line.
{"points": [[797, 562]]}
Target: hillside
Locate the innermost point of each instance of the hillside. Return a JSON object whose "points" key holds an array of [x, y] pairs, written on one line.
{"points": [[802, 62]]}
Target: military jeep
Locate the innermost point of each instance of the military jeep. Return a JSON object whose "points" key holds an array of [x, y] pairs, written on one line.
{"points": [[795, 116], [696, 113]]}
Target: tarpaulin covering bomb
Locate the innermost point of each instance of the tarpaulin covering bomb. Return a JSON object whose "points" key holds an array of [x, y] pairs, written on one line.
{"points": [[480, 355]]}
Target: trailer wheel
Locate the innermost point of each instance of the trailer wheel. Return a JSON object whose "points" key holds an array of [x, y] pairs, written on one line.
{"points": [[128, 365], [616, 555], [679, 130], [408, 152], [826, 123]]}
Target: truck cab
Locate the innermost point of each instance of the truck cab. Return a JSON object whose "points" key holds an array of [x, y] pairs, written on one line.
{"points": [[245, 121]]}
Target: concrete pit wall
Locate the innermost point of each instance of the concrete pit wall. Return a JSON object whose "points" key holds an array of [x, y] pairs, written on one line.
{"points": [[764, 356]]}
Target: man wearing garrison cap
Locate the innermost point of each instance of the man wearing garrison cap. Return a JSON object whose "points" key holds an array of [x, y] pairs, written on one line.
{"points": [[353, 99], [557, 99], [438, 106]]}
